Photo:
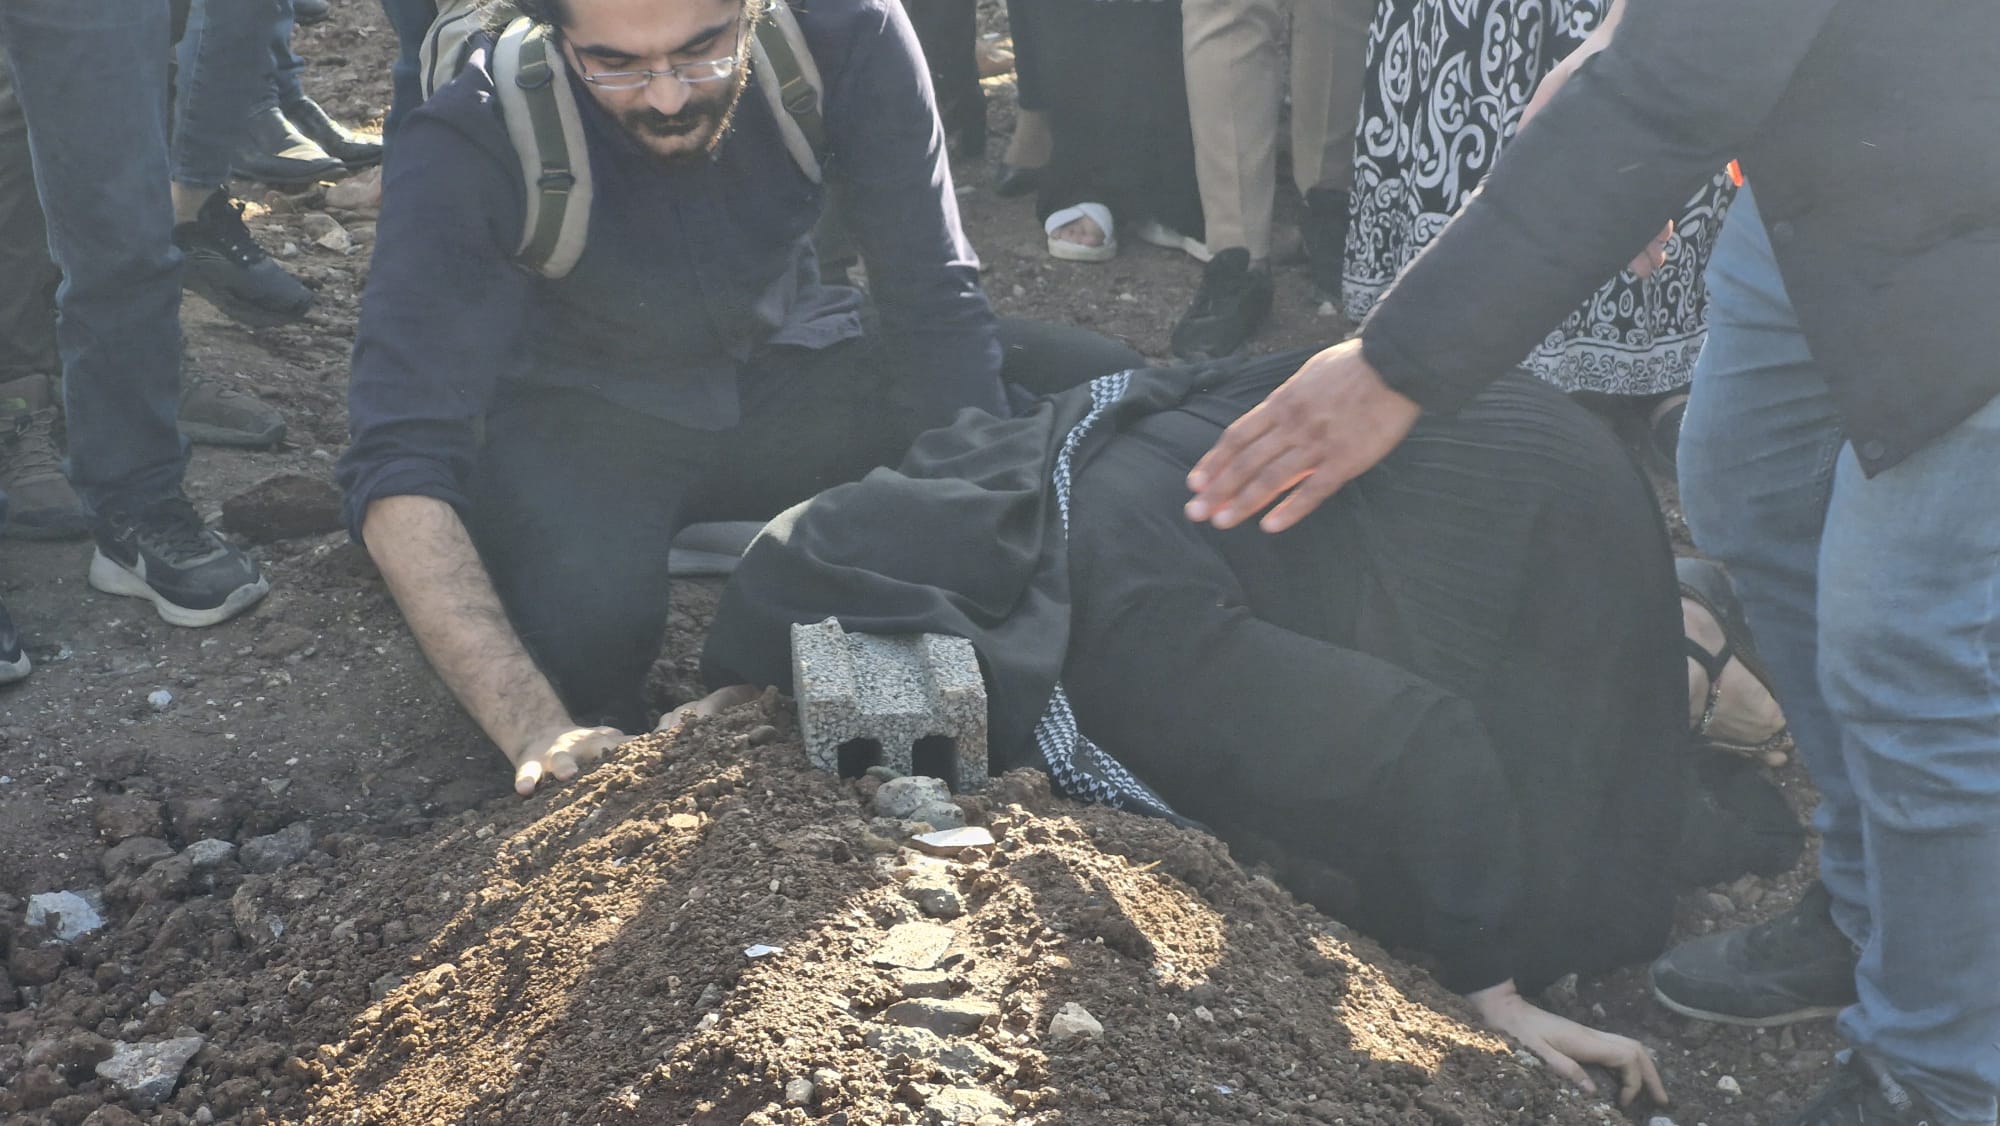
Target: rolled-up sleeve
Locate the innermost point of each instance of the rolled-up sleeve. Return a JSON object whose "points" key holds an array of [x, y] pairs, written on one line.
{"points": [[1682, 88], [443, 312], [889, 156]]}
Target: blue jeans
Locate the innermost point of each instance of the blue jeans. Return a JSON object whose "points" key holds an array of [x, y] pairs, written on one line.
{"points": [[91, 78], [1877, 603], [224, 72], [412, 21], [286, 65]]}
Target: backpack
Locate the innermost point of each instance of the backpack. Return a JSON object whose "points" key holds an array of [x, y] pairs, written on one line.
{"points": [[539, 109]]}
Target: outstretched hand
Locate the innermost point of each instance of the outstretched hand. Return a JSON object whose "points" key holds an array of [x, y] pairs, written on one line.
{"points": [[715, 703], [559, 754], [1326, 425], [1566, 1045]]}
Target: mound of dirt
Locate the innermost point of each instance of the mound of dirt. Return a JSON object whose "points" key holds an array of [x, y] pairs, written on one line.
{"points": [[705, 930]]}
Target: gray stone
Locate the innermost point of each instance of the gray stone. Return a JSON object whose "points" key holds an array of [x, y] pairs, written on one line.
{"points": [[964, 1106], [913, 946], [935, 898], [148, 1073], [946, 1018], [208, 853], [1072, 1022], [940, 815], [288, 845], [964, 1057], [123, 816], [69, 915], [799, 1092], [135, 855], [914, 703], [902, 797]]}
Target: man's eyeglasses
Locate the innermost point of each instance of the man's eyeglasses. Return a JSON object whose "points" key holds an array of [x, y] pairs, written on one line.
{"points": [[692, 74]]}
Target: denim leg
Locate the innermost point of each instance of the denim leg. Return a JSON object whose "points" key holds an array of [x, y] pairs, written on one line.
{"points": [[412, 20], [225, 70], [286, 65], [100, 160], [1757, 456], [27, 300], [1910, 666]]}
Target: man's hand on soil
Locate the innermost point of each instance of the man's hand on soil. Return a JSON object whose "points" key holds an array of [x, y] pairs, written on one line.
{"points": [[1566, 1045], [1326, 425], [560, 754]]}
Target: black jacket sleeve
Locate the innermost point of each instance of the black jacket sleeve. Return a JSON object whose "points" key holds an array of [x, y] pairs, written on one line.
{"points": [[1684, 85]]}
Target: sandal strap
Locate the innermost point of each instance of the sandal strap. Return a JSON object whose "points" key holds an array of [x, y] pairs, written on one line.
{"points": [[1711, 663]]}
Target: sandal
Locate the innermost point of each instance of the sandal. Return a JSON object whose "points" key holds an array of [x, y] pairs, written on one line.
{"points": [[1752, 725], [1071, 251]]}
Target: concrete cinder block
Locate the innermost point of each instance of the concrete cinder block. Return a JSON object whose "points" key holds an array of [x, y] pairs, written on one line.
{"points": [[913, 703]]}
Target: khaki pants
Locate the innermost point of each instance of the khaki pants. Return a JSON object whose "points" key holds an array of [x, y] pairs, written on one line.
{"points": [[1232, 59]]}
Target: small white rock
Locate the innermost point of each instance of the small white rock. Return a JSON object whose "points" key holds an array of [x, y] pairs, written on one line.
{"points": [[799, 1092], [148, 1073], [1202, 1014], [1728, 1085], [160, 699], [1072, 1021], [762, 951]]}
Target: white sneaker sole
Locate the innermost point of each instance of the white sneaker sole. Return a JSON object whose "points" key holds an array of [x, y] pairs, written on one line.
{"points": [[11, 671], [1776, 1020], [111, 578]]}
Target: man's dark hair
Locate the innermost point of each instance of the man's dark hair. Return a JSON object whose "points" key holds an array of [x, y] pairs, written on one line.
{"points": [[553, 13]]}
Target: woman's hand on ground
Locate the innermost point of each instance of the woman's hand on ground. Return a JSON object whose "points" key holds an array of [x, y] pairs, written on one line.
{"points": [[1566, 1045], [720, 700], [559, 754]]}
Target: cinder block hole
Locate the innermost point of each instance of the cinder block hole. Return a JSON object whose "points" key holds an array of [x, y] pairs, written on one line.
{"points": [[855, 756], [936, 756]]}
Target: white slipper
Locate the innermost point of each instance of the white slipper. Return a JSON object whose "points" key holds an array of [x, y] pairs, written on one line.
{"points": [[1070, 251], [1159, 235]]}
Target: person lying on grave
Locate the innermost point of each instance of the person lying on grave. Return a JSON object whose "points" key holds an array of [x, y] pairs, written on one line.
{"points": [[1450, 708], [554, 374]]}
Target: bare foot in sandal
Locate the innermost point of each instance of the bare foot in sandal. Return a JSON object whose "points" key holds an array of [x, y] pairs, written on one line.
{"points": [[1741, 715]]}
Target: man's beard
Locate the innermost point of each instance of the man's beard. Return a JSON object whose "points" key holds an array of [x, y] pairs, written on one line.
{"points": [[714, 118]]}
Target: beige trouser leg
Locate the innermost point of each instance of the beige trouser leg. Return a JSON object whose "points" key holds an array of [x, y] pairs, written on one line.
{"points": [[1329, 70], [1231, 53]]}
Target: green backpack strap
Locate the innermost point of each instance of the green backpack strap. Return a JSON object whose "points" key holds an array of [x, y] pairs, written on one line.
{"points": [[792, 86], [540, 112]]}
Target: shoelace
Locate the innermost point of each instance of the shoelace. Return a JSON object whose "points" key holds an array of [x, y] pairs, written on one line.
{"points": [[174, 531], [34, 445]]}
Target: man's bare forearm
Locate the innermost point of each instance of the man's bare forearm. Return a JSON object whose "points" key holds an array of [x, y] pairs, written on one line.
{"points": [[435, 574]]}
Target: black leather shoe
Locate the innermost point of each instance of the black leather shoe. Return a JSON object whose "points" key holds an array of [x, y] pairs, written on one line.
{"points": [[311, 11], [1232, 301], [277, 153], [336, 140], [1015, 180]]}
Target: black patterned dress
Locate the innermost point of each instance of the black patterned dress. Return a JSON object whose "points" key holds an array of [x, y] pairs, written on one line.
{"points": [[1447, 81]]}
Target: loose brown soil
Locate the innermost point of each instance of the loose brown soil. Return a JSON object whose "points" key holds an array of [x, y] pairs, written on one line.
{"points": [[445, 952]]}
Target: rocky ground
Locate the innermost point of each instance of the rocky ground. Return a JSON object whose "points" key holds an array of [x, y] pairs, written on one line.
{"points": [[268, 872]]}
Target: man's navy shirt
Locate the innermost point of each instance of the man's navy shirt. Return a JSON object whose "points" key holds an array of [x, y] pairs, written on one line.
{"points": [[688, 274]]}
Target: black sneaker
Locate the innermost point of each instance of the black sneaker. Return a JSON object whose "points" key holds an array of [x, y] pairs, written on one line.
{"points": [[1232, 301], [1864, 1095], [226, 266], [336, 140], [165, 555], [1797, 966], [1324, 231], [14, 663]]}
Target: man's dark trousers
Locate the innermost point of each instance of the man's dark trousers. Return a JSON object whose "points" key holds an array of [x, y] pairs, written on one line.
{"points": [[575, 501]]}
